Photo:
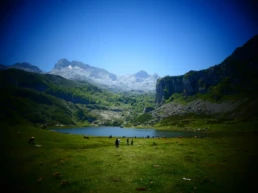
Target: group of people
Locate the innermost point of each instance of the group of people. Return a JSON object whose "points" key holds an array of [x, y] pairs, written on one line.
{"points": [[117, 142], [128, 141]]}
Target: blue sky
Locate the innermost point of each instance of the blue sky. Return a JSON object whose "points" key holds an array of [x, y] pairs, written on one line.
{"points": [[126, 36]]}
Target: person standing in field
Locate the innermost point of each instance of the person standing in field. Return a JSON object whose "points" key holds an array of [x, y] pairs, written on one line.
{"points": [[127, 141], [117, 142], [132, 142]]}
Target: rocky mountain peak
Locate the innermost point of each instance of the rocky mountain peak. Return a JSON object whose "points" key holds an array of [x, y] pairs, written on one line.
{"points": [[142, 74], [155, 75], [62, 63]]}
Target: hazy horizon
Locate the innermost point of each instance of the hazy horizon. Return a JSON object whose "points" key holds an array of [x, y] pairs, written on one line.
{"points": [[126, 36]]}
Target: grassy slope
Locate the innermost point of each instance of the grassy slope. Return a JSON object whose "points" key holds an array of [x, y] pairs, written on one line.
{"points": [[216, 164], [52, 99]]}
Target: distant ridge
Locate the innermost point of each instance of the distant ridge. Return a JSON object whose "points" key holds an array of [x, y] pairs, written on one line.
{"points": [[22, 66]]}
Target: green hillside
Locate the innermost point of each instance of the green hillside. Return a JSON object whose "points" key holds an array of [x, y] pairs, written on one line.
{"points": [[45, 99]]}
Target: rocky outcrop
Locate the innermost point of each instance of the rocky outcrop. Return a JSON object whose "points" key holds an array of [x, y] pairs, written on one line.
{"points": [[148, 109], [80, 71], [236, 73], [197, 107]]}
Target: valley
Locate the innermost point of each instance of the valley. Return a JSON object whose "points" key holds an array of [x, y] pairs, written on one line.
{"points": [[220, 101]]}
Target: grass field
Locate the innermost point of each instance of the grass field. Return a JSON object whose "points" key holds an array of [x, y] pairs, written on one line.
{"points": [[69, 163]]}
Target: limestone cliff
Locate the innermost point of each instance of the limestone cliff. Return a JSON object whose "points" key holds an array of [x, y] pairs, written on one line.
{"points": [[236, 73]]}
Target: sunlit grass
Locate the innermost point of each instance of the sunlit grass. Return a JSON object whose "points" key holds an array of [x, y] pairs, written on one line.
{"points": [[70, 163]]}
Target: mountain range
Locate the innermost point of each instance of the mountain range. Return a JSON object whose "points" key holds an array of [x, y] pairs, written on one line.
{"points": [[141, 81], [224, 92], [74, 70]]}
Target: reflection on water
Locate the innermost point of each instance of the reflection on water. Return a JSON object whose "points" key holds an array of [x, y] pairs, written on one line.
{"points": [[128, 132]]}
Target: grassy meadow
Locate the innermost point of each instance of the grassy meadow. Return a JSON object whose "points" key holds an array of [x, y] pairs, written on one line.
{"points": [[68, 163]]}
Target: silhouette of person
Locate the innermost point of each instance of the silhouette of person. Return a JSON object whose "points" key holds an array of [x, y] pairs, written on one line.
{"points": [[117, 142], [127, 141], [31, 140], [132, 142]]}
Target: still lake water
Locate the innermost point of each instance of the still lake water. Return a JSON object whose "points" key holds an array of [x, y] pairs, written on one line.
{"points": [[128, 132]]}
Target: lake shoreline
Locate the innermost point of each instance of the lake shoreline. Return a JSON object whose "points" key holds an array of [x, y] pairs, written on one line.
{"points": [[131, 132]]}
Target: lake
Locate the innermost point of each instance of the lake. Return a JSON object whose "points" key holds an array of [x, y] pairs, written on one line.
{"points": [[128, 132]]}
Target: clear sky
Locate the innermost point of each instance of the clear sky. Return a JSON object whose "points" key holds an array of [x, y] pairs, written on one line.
{"points": [[125, 36]]}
